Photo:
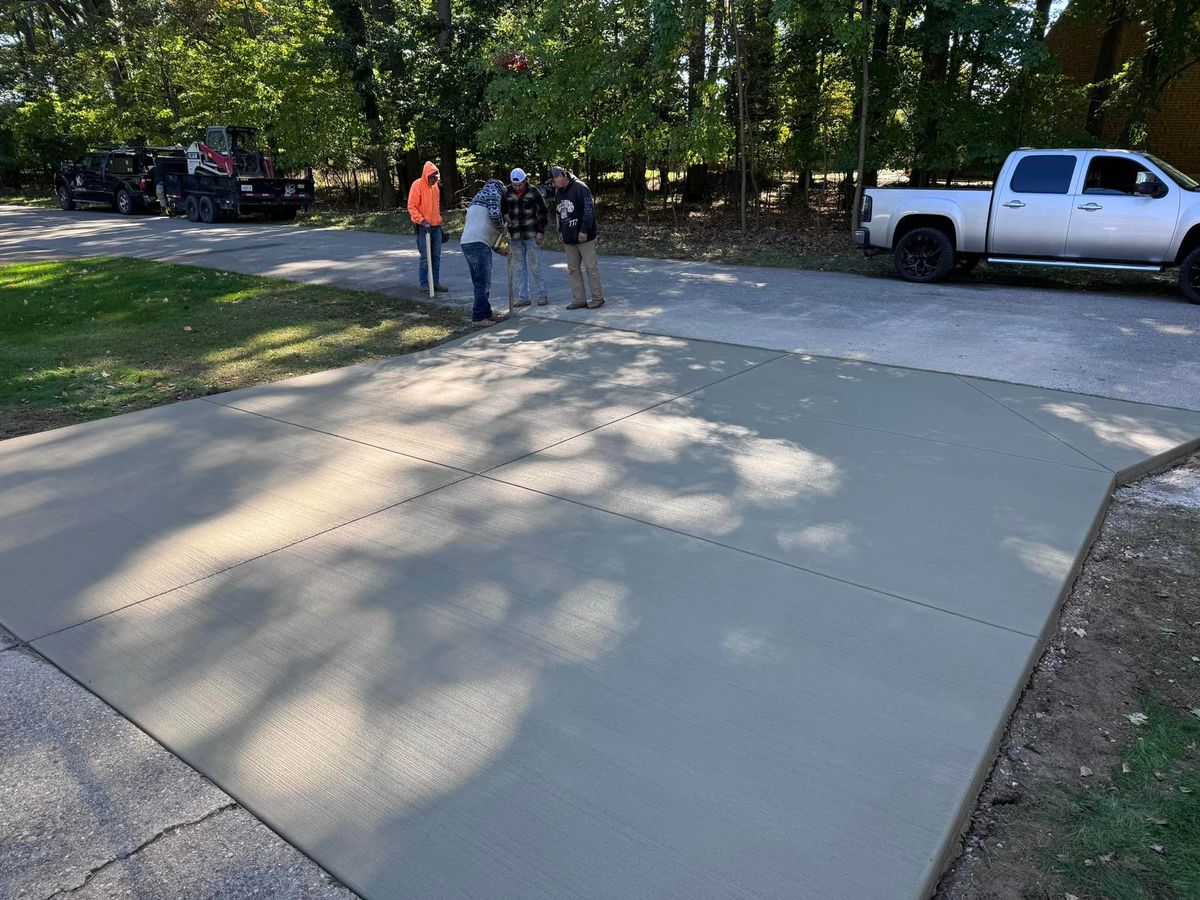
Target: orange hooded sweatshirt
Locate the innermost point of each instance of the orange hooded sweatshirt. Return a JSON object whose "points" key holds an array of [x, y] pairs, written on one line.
{"points": [[424, 200]]}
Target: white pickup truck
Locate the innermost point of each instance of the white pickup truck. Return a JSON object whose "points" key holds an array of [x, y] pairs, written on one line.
{"points": [[1108, 209]]}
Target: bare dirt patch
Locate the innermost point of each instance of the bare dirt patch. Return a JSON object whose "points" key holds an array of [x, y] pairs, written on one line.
{"points": [[1129, 639]]}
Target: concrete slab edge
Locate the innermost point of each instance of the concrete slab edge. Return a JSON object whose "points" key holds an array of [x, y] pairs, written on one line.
{"points": [[65, 668], [952, 849], [1159, 463], [873, 362]]}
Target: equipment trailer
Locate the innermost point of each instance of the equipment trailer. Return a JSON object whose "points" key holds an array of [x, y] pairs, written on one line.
{"points": [[227, 175]]}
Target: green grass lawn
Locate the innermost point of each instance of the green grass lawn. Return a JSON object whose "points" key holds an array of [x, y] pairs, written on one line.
{"points": [[1139, 839], [30, 198], [84, 339]]}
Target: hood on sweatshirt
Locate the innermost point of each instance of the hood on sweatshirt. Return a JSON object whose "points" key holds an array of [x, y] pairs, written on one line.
{"points": [[429, 169], [491, 196]]}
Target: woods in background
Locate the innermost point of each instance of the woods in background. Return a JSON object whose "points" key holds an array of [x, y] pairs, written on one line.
{"points": [[698, 95]]}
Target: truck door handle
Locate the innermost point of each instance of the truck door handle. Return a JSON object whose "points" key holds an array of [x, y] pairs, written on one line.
{"points": [[1090, 207], [1014, 204]]}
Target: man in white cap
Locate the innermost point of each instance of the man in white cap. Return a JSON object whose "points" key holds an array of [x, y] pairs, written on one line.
{"points": [[525, 215]]}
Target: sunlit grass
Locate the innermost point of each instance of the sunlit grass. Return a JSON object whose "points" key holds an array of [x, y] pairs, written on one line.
{"points": [[84, 339]]}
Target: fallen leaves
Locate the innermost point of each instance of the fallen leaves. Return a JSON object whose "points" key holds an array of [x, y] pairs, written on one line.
{"points": [[1084, 772], [1138, 719]]}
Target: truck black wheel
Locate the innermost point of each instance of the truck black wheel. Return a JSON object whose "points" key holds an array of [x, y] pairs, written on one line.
{"points": [[284, 215], [65, 200], [208, 210], [192, 209], [1189, 276], [924, 255], [124, 202]]}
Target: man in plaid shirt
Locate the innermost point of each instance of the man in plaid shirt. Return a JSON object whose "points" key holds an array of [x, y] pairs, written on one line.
{"points": [[525, 215]]}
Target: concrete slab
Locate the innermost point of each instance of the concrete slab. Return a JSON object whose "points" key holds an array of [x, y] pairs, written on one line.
{"points": [[980, 534], [648, 361], [929, 405], [459, 412], [6, 640], [1129, 439], [110, 512], [490, 692]]}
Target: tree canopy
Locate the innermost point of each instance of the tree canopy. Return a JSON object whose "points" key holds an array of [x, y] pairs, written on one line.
{"points": [[699, 88]]}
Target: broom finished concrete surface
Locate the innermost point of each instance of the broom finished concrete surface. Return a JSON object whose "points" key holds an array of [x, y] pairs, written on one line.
{"points": [[561, 611]]}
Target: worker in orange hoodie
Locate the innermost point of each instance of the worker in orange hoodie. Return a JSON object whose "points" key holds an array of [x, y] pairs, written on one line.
{"points": [[425, 208]]}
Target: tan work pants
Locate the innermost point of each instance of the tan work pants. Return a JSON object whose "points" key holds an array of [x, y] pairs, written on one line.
{"points": [[583, 255]]}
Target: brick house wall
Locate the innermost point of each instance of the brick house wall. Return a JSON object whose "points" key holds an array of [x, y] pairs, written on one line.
{"points": [[1174, 130]]}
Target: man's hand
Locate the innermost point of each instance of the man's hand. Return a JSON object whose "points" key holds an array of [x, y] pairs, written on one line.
{"points": [[539, 238], [583, 238], [503, 251]]}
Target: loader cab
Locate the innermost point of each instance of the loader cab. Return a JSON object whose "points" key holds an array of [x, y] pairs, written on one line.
{"points": [[239, 144]]}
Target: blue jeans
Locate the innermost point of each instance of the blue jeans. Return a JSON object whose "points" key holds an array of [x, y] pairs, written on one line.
{"points": [[435, 239], [479, 258], [527, 256]]}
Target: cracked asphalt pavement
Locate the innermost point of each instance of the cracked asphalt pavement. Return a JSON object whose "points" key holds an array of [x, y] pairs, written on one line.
{"points": [[90, 806]]}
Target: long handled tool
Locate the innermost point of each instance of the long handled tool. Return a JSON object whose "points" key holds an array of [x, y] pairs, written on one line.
{"points": [[429, 257], [510, 277]]}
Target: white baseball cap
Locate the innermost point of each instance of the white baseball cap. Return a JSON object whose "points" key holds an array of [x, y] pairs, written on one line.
{"points": [[517, 175]]}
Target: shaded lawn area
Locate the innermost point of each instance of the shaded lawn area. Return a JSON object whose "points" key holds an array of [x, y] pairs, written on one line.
{"points": [[84, 339], [1139, 837]]}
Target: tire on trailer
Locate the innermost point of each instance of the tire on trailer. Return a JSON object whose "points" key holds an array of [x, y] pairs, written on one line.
{"points": [[192, 208], [208, 210], [124, 202], [65, 200], [924, 255], [1189, 276]]}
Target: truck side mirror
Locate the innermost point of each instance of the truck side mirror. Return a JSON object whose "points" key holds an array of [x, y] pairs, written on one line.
{"points": [[1147, 185]]}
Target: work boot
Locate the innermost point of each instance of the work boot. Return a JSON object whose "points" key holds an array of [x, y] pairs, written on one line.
{"points": [[577, 304], [542, 301], [517, 303], [596, 304], [441, 289]]}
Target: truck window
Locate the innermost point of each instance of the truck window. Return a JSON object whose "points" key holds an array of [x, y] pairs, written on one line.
{"points": [[1112, 175], [1043, 174], [95, 162]]}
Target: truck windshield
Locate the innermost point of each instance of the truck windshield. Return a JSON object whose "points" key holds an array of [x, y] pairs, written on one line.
{"points": [[1184, 181]]}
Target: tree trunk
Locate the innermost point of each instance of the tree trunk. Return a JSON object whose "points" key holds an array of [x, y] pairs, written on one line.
{"points": [[694, 183], [1106, 68], [451, 182], [349, 16], [935, 60], [1041, 18], [740, 78], [862, 125]]}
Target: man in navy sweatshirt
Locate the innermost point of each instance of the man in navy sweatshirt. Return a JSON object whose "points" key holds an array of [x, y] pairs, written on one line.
{"points": [[577, 227]]}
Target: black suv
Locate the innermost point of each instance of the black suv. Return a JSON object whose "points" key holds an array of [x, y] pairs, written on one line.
{"points": [[124, 178]]}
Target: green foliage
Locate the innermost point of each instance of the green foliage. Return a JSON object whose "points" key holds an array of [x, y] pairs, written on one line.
{"points": [[622, 85]]}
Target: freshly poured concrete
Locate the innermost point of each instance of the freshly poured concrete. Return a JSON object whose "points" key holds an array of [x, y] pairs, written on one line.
{"points": [[492, 693], [449, 410], [1131, 439], [758, 640], [109, 513], [915, 518]]}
